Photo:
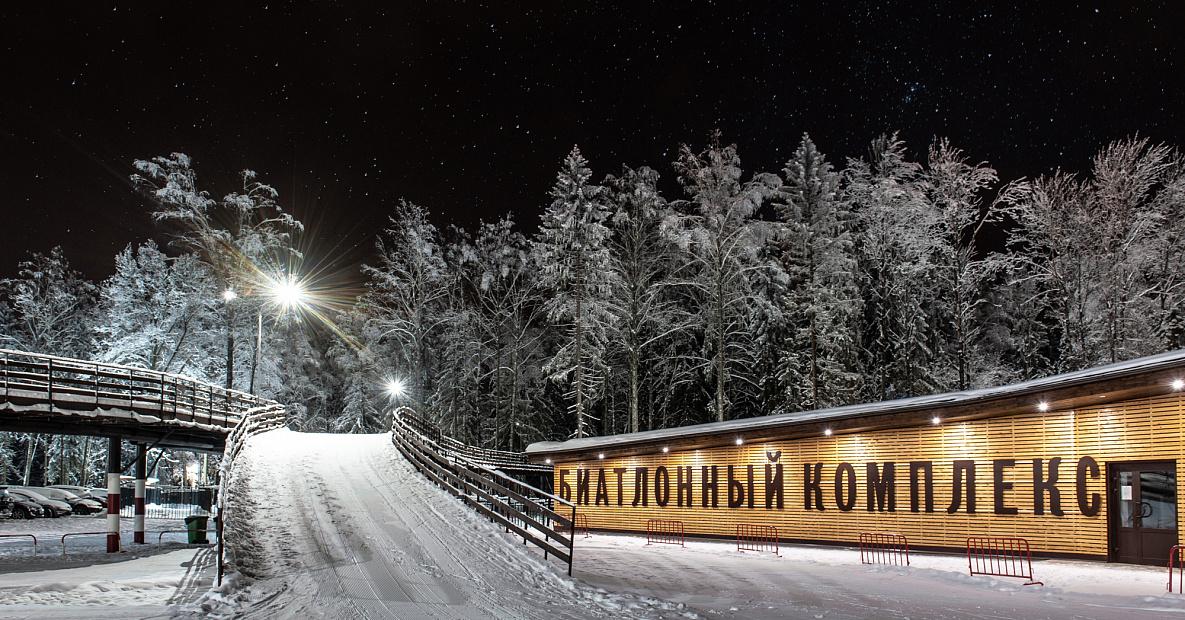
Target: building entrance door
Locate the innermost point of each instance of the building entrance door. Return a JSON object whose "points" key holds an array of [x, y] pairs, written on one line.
{"points": [[1143, 511]]}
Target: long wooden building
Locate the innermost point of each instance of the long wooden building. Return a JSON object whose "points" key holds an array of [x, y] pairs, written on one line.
{"points": [[1083, 464]]}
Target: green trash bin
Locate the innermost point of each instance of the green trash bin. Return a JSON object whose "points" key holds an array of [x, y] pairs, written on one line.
{"points": [[196, 526]]}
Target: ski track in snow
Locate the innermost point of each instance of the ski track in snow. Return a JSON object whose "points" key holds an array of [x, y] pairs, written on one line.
{"points": [[341, 526]]}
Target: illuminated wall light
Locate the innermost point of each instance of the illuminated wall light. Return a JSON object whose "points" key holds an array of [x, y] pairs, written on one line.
{"points": [[935, 420], [827, 432], [601, 456], [1042, 406], [740, 441], [665, 449], [1178, 384], [547, 461]]}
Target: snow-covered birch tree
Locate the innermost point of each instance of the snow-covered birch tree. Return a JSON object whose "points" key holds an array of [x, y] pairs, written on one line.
{"points": [[644, 312], [721, 249], [407, 291]]}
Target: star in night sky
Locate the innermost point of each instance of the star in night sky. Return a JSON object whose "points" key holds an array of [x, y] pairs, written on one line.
{"points": [[467, 108]]}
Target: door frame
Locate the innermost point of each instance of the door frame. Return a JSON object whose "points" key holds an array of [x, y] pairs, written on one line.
{"points": [[1112, 502]]}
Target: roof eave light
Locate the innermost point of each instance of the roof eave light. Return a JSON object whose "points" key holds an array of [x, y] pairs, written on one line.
{"points": [[1178, 385], [1043, 406], [827, 432]]}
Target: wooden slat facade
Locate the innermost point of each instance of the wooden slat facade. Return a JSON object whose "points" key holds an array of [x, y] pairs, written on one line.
{"points": [[1143, 429]]}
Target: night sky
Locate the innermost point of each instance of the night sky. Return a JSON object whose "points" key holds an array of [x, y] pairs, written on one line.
{"points": [[468, 108]]}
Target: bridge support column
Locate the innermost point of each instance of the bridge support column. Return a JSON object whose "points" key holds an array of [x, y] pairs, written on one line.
{"points": [[114, 468], [141, 481]]}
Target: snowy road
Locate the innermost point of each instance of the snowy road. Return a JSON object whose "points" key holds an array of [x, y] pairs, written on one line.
{"points": [[340, 526]]}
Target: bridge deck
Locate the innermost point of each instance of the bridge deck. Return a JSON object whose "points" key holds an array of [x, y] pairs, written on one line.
{"points": [[48, 394]]}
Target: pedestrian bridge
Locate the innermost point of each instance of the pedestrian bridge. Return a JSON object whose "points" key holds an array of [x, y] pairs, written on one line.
{"points": [[49, 394]]}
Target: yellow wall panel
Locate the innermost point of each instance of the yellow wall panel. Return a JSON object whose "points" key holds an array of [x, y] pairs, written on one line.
{"points": [[1138, 430]]}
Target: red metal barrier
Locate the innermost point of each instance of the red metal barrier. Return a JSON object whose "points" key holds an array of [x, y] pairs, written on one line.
{"points": [[580, 524], [884, 548], [752, 537], [1177, 558], [664, 532], [1001, 557]]}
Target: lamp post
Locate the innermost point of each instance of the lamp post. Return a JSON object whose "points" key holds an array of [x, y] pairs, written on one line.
{"points": [[228, 296], [287, 294]]}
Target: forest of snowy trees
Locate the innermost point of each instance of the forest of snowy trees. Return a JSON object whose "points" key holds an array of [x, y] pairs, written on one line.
{"points": [[743, 294]]}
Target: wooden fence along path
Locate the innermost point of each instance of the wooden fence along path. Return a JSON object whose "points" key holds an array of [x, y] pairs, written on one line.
{"points": [[531, 513]]}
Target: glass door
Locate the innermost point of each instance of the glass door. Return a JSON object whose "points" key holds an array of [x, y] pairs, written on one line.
{"points": [[1144, 511]]}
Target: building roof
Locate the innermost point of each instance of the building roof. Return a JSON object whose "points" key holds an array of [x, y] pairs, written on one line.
{"points": [[1136, 378]]}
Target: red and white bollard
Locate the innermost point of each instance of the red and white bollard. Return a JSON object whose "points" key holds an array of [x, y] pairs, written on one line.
{"points": [[141, 480], [113, 470]]}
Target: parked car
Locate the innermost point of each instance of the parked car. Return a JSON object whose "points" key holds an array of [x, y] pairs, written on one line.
{"points": [[52, 507], [26, 509], [79, 505], [95, 495]]}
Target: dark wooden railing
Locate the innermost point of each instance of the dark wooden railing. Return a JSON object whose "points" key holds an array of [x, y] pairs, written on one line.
{"points": [[495, 459], [529, 512], [66, 384]]}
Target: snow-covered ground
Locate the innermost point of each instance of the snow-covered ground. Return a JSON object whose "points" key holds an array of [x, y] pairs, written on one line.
{"points": [[342, 526], [86, 582], [714, 580]]}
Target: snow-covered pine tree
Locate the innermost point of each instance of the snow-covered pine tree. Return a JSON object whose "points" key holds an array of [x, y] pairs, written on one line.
{"points": [[819, 366], [50, 306], [642, 259], [160, 313], [572, 253], [407, 291], [721, 250], [507, 298]]}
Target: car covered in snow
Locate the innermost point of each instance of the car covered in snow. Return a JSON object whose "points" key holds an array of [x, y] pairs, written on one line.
{"points": [[97, 495], [52, 507], [80, 505]]}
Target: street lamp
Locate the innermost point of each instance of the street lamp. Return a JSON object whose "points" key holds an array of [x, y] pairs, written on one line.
{"points": [[394, 387], [286, 293]]}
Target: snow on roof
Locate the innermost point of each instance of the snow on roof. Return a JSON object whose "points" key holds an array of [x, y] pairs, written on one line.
{"points": [[1135, 367]]}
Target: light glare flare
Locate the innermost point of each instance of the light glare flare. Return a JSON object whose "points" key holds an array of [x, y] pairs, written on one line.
{"points": [[394, 387]]}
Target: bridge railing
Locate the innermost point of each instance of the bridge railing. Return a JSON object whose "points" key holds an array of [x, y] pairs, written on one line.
{"points": [[73, 384], [529, 512]]}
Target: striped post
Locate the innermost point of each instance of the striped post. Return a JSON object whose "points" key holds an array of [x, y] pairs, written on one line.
{"points": [[141, 479], [113, 471]]}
